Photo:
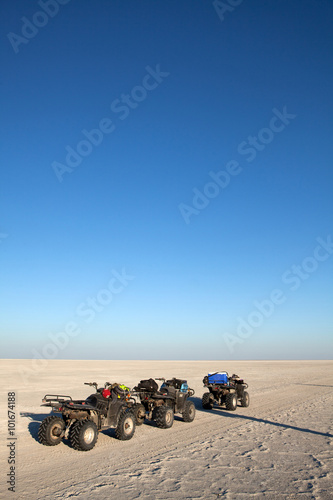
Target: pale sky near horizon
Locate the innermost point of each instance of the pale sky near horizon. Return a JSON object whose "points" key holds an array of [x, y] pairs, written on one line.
{"points": [[166, 179]]}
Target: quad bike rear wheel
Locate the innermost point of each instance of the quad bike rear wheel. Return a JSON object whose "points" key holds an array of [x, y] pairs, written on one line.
{"points": [[163, 416], [231, 401], [83, 435], [189, 411], [245, 400], [51, 430], [126, 426], [207, 401]]}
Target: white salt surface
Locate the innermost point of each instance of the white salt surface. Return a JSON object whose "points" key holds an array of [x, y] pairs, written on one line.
{"points": [[280, 447]]}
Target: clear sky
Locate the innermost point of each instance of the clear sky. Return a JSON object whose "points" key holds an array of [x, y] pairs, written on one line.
{"points": [[166, 179]]}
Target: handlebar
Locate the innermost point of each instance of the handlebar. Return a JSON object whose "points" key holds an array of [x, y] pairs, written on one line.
{"points": [[94, 384]]}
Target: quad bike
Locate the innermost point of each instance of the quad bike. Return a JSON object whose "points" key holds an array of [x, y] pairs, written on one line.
{"points": [[80, 420], [161, 404], [224, 390]]}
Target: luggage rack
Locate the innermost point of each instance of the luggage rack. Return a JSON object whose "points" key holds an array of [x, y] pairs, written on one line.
{"points": [[57, 398]]}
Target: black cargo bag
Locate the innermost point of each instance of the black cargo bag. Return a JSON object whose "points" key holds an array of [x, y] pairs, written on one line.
{"points": [[148, 385], [176, 383]]}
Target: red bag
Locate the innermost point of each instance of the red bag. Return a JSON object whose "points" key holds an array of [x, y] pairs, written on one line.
{"points": [[106, 393]]}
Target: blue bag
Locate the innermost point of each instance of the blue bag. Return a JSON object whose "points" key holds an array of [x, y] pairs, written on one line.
{"points": [[218, 378]]}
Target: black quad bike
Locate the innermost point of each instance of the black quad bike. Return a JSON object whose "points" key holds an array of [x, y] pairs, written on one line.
{"points": [[225, 390], [161, 404], [80, 420]]}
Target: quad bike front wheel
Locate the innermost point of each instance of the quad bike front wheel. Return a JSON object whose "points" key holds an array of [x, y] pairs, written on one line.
{"points": [[83, 435], [163, 416], [50, 431], [231, 401], [126, 426], [139, 413], [207, 401], [189, 411], [245, 399]]}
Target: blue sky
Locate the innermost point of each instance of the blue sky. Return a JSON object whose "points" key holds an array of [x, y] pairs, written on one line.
{"points": [[116, 241]]}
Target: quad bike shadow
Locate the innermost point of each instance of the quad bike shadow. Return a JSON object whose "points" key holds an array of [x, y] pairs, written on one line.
{"points": [[216, 409], [35, 420]]}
